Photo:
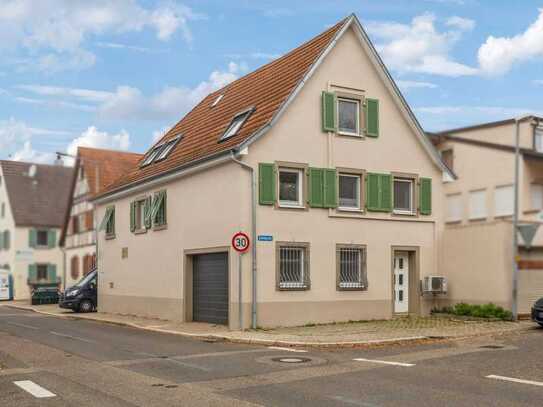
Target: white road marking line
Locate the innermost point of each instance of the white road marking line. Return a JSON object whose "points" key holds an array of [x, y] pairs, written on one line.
{"points": [[22, 325], [512, 379], [77, 338], [385, 362], [287, 349], [34, 389]]}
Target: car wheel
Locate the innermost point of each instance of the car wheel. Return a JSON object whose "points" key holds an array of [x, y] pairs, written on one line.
{"points": [[86, 306]]}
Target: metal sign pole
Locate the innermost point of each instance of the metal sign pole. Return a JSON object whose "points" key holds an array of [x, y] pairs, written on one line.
{"points": [[240, 297]]}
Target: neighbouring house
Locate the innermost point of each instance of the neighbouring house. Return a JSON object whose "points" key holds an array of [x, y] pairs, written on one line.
{"points": [[316, 156], [33, 202], [94, 170], [479, 204]]}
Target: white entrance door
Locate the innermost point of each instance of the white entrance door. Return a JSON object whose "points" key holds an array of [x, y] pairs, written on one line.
{"points": [[401, 282], [4, 286]]}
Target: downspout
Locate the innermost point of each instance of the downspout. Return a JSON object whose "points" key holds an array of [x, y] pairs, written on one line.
{"points": [[253, 236]]}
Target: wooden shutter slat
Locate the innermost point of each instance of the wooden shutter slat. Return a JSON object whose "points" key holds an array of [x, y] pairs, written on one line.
{"points": [[266, 183], [52, 273], [330, 188], [32, 272], [32, 238], [372, 192], [425, 196], [329, 121], [51, 238], [385, 192], [132, 216], [316, 187], [372, 117]]}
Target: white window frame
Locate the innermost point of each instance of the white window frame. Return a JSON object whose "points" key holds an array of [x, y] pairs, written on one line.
{"points": [[412, 209], [496, 192], [300, 201], [152, 155], [358, 206], [357, 102], [473, 214], [448, 200], [304, 282]]}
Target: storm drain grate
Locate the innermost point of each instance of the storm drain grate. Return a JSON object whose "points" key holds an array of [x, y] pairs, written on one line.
{"points": [[492, 347], [291, 360]]}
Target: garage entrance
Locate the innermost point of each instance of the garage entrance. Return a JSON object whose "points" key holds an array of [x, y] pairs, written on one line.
{"points": [[210, 288]]}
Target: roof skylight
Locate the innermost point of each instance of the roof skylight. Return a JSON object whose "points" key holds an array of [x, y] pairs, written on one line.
{"points": [[216, 102], [236, 124], [160, 152]]}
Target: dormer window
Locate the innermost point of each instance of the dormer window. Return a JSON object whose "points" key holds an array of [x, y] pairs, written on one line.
{"points": [[236, 124], [151, 155]]}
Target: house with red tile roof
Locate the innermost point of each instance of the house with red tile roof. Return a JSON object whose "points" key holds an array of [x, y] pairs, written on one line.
{"points": [[95, 169], [317, 158], [33, 201]]}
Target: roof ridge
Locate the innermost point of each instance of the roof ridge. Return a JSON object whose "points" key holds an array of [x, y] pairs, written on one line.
{"points": [[33, 163], [110, 150]]}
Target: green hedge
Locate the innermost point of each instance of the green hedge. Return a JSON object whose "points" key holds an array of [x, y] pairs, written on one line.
{"points": [[478, 311]]}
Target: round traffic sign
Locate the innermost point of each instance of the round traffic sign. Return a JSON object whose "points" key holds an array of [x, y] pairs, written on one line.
{"points": [[240, 242]]}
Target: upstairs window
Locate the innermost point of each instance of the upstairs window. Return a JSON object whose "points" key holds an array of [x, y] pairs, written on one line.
{"points": [[403, 196], [538, 140], [236, 124], [290, 187], [42, 238], [448, 158], [536, 196], [504, 200], [348, 116], [349, 191]]}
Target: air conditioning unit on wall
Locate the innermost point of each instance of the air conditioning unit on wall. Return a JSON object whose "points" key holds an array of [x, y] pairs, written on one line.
{"points": [[434, 285]]}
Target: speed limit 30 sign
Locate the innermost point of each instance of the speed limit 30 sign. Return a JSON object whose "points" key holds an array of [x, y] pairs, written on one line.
{"points": [[241, 242]]}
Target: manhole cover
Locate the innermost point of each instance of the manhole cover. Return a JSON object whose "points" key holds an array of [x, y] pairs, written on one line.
{"points": [[492, 346], [291, 360]]}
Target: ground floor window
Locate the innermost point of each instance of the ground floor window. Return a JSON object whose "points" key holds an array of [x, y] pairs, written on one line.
{"points": [[293, 266], [41, 272], [351, 267]]}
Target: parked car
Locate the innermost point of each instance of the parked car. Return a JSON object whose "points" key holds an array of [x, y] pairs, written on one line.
{"points": [[537, 312], [83, 296]]}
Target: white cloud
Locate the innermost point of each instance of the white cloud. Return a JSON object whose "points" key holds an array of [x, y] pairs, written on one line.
{"points": [[158, 134], [54, 32], [406, 85], [116, 45], [538, 82], [498, 54], [78, 93], [92, 137], [463, 24], [28, 154], [419, 47]]}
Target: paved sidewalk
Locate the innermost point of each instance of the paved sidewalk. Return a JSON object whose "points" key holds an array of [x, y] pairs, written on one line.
{"points": [[341, 334]]}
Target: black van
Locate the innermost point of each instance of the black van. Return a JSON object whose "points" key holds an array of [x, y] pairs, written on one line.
{"points": [[82, 297]]}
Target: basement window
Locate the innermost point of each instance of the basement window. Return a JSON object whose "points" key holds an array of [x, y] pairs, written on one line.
{"points": [[236, 124]]}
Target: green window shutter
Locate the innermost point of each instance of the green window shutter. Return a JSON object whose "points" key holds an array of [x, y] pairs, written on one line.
{"points": [[316, 187], [7, 242], [2, 241], [330, 188], [425, 196], [164, 219], [32, 272], [266, 181], [328, 111], [371, 108], [111, 228], [147, 212], [372, 192], [32, 238], [105, 220], [51, 238], [132, 216], [385, 192], [52, 273]]}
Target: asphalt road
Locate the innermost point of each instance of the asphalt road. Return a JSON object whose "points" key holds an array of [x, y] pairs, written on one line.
{"points": [[60, 362]]}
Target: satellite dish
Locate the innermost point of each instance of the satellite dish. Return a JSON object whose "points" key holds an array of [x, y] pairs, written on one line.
{"points": [[32, 171]]}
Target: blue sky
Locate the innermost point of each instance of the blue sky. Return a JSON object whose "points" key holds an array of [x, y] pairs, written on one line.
{"points": [[116, 74]]}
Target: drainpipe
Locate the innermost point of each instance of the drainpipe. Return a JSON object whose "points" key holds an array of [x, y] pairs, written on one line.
{"points": [[253, 236]]}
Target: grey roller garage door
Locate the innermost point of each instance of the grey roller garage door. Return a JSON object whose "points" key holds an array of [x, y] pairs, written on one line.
{"points": [[210, 288]]}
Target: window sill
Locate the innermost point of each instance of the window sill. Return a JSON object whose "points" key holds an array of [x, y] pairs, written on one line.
{"points": [[301, 288], [42, 248], [361, 288], [140, 231], [503, 216], [349, 210], [287, 206], [353, 135], [404, 213], [475, 220], [160, 227], [453, 222], [110, 237], [532, 211]]}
